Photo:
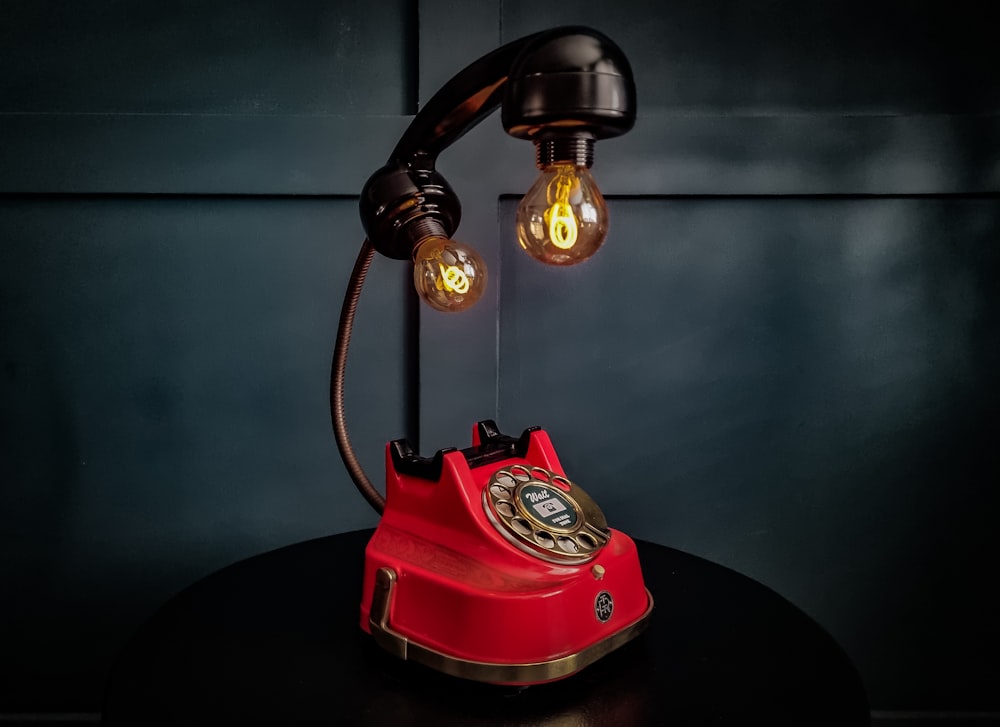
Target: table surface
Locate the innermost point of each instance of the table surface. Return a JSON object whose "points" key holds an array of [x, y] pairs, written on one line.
{"points": [[276, 638]]}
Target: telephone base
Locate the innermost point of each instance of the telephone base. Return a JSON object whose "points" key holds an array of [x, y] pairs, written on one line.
{"points": [[490, 564]]}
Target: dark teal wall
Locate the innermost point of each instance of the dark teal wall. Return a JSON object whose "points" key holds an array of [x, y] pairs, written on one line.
{"points": [[784, 359]]}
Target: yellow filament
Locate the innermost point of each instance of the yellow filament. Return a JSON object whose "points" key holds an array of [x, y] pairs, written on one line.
{"points": [[562, 226], [454, 280], [562, 221]]}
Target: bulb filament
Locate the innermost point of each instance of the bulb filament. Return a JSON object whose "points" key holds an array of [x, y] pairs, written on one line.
{"points": [[453, 280], [562, 221]]}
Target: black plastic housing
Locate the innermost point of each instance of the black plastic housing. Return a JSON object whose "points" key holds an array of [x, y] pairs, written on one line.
{"points": [[570, 81], [493, 447], [400, 206]]}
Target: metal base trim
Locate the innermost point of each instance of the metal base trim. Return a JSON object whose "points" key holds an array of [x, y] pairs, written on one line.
{"points": [[484, 671]]}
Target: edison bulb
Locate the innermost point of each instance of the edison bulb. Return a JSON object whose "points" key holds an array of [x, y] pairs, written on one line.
{"points": [[563, 218], [449, 275]]}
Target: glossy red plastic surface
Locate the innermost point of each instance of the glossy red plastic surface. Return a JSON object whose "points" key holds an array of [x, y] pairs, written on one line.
{"points": [[467, 592]]}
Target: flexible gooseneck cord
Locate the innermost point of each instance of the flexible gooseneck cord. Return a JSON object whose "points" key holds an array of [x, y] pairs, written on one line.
{"points": [[337, 373]]}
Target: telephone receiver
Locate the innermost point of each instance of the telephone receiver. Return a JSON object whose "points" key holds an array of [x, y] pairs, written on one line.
{"points": [[490, 564]]}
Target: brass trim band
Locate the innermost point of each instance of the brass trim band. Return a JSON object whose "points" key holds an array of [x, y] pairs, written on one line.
{"points": [[483, 671]]}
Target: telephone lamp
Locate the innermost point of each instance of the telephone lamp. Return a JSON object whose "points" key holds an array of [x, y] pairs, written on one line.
{"points": [[490, 563]]}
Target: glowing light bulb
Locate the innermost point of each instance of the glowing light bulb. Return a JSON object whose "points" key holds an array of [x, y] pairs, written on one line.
{"points": [[563, 218], [450, 276]]}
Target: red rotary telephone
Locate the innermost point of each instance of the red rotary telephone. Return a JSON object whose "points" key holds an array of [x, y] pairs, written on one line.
{"points": [[490, 564]]}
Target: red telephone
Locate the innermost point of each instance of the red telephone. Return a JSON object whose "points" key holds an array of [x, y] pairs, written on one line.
{"points": [[490, 564]]}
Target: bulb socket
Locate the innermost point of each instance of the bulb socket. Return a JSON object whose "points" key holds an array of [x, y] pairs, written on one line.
{"points": [[577, 150], [422, 228]]}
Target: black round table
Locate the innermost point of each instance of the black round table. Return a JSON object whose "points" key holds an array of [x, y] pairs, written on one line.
{"points": [[275, 639]]}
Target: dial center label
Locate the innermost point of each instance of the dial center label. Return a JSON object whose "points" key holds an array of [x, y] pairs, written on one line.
{"points": [[547, 506]]}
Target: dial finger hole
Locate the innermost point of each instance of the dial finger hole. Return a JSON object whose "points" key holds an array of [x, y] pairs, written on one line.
{"points": [[544, 539], [539, 474], [521, 526], [520, 473], [505, 508], [562, 483], [587, 541], [499, 491], [568, 544], [506, 479]]}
